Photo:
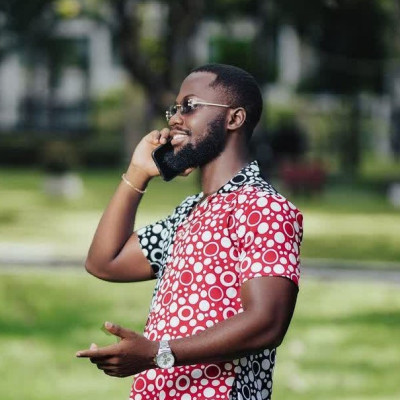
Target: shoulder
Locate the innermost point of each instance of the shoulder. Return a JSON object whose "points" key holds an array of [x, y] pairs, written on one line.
{"points": [[260, 196], [263, 209], [267, 230]]}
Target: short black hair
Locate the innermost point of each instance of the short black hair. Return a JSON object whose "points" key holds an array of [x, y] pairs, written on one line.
{"points": [[242, 91]]}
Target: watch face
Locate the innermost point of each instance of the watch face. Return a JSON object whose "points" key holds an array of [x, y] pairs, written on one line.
{"points": [[165, 360]]}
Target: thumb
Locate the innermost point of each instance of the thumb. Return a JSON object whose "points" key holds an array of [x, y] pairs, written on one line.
{"points": [[187, 171], [94, 346], [116, 330]]}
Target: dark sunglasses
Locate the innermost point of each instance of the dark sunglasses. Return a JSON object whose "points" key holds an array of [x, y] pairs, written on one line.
{"points": [[188, 106]]}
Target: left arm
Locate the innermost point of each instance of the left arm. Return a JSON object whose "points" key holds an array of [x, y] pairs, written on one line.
{"points": [[268, 305]]}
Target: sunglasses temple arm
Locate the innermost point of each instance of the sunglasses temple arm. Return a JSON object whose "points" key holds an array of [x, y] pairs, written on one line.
{"points": [[209, 104]]}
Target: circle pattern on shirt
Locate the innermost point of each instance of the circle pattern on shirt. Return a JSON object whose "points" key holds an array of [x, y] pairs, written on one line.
{"points": [[242, 232]]}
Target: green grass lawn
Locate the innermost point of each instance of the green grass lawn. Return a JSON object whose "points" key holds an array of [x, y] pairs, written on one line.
{"points": [[343, 342], [344, 223], [57, 227]]}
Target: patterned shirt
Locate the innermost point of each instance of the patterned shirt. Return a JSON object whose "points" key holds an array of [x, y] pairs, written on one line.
{"points": [[202, 254]]}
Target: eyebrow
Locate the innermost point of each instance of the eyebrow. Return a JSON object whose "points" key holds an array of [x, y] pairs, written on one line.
{"points": [[186, 97]]}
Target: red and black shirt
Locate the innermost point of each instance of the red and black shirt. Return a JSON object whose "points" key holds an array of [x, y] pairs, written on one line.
{"points": [[202, 254]]}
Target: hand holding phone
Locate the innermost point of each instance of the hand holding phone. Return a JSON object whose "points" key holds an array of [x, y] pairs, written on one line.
{"points": [[160, 155]]}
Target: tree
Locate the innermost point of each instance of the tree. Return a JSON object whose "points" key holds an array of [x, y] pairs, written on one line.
{"points": [[25, 25], [348, 35], [157, 63], [350, 38], [30, 29]]}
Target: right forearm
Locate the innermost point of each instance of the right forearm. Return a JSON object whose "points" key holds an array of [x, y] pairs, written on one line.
{"points": [[115, 253], [117, 222]]}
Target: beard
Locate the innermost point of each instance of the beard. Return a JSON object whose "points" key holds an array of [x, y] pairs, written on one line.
{"points": [[201, 153]]}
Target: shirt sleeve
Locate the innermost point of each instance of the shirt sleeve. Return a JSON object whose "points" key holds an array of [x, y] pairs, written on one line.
{"points": [[268, 231], [154, 241]]}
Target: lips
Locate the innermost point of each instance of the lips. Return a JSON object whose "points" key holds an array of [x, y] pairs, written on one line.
{"points": [[178, 136]]}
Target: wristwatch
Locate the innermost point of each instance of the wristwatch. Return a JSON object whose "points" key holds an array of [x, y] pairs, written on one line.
{"points": [[164, 358]]}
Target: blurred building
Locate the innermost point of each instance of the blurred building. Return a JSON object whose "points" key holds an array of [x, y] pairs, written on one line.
{"points": [[38, 94], [54, 94]]}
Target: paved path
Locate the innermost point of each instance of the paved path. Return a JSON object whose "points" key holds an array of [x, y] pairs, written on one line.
{"points": [[352, 270], [385, 276]]}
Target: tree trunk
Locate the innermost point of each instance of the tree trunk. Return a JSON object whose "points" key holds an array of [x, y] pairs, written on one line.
{"points": [[351, 143]]}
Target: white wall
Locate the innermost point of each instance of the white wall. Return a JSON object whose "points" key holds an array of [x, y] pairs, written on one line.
{"points": [[12, 88]]}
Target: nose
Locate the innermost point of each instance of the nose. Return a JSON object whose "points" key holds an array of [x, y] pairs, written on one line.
{"points": [[176, 119]]}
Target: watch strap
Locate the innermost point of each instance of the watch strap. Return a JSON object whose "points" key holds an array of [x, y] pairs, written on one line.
{"points": [[164, 346], [164, 358]]}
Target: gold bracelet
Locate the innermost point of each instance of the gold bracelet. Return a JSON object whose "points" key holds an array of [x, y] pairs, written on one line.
{"points": [[131, 185]]}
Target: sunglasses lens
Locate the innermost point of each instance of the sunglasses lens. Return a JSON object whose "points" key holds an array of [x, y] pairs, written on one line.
{"points": [[186, 107], [173, 109], [170, 112]]}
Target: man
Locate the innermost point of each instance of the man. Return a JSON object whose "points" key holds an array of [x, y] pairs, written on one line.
{"points": [[226, 261]]}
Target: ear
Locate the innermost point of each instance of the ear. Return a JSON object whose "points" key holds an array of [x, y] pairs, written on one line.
{"points": [[236, 118]]}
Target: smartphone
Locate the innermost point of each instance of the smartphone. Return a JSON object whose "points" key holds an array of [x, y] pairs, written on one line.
{"points": [[159, 156]]}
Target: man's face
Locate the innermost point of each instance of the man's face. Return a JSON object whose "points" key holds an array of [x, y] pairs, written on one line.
{"points": [[199, 136], [206, 149]]}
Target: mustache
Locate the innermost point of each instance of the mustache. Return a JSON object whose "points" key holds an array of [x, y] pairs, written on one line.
{"points": [[180, 130]]}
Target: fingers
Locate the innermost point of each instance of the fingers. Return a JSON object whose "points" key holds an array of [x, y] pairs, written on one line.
{"points": [[112, 369], [86, 353], [116, 330], [98, 352], [164, 135], [159, 137], [187, 171], [116, 373], [122, 359]]}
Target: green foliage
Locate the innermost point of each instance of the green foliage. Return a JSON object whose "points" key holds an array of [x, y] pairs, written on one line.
{"points": [[341, 344], [64, 228], [344, 222], [58, 157], [108, 113], [154, 48], [240, 52], [48, 317], [63, 52], [29, 22], [349, 37], [278, 115], [101, 153], [20, 150], [112, 99], [68, 8], [224, 9]]}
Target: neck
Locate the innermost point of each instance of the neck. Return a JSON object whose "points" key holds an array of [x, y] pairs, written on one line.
{"points": [[223, 168]]}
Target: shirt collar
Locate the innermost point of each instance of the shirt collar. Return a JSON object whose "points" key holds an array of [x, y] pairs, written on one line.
{"points": [[249, 175], [246, 176]]}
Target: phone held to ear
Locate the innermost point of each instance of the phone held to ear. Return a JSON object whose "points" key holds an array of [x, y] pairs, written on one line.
{"points": [[159, 156]]}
